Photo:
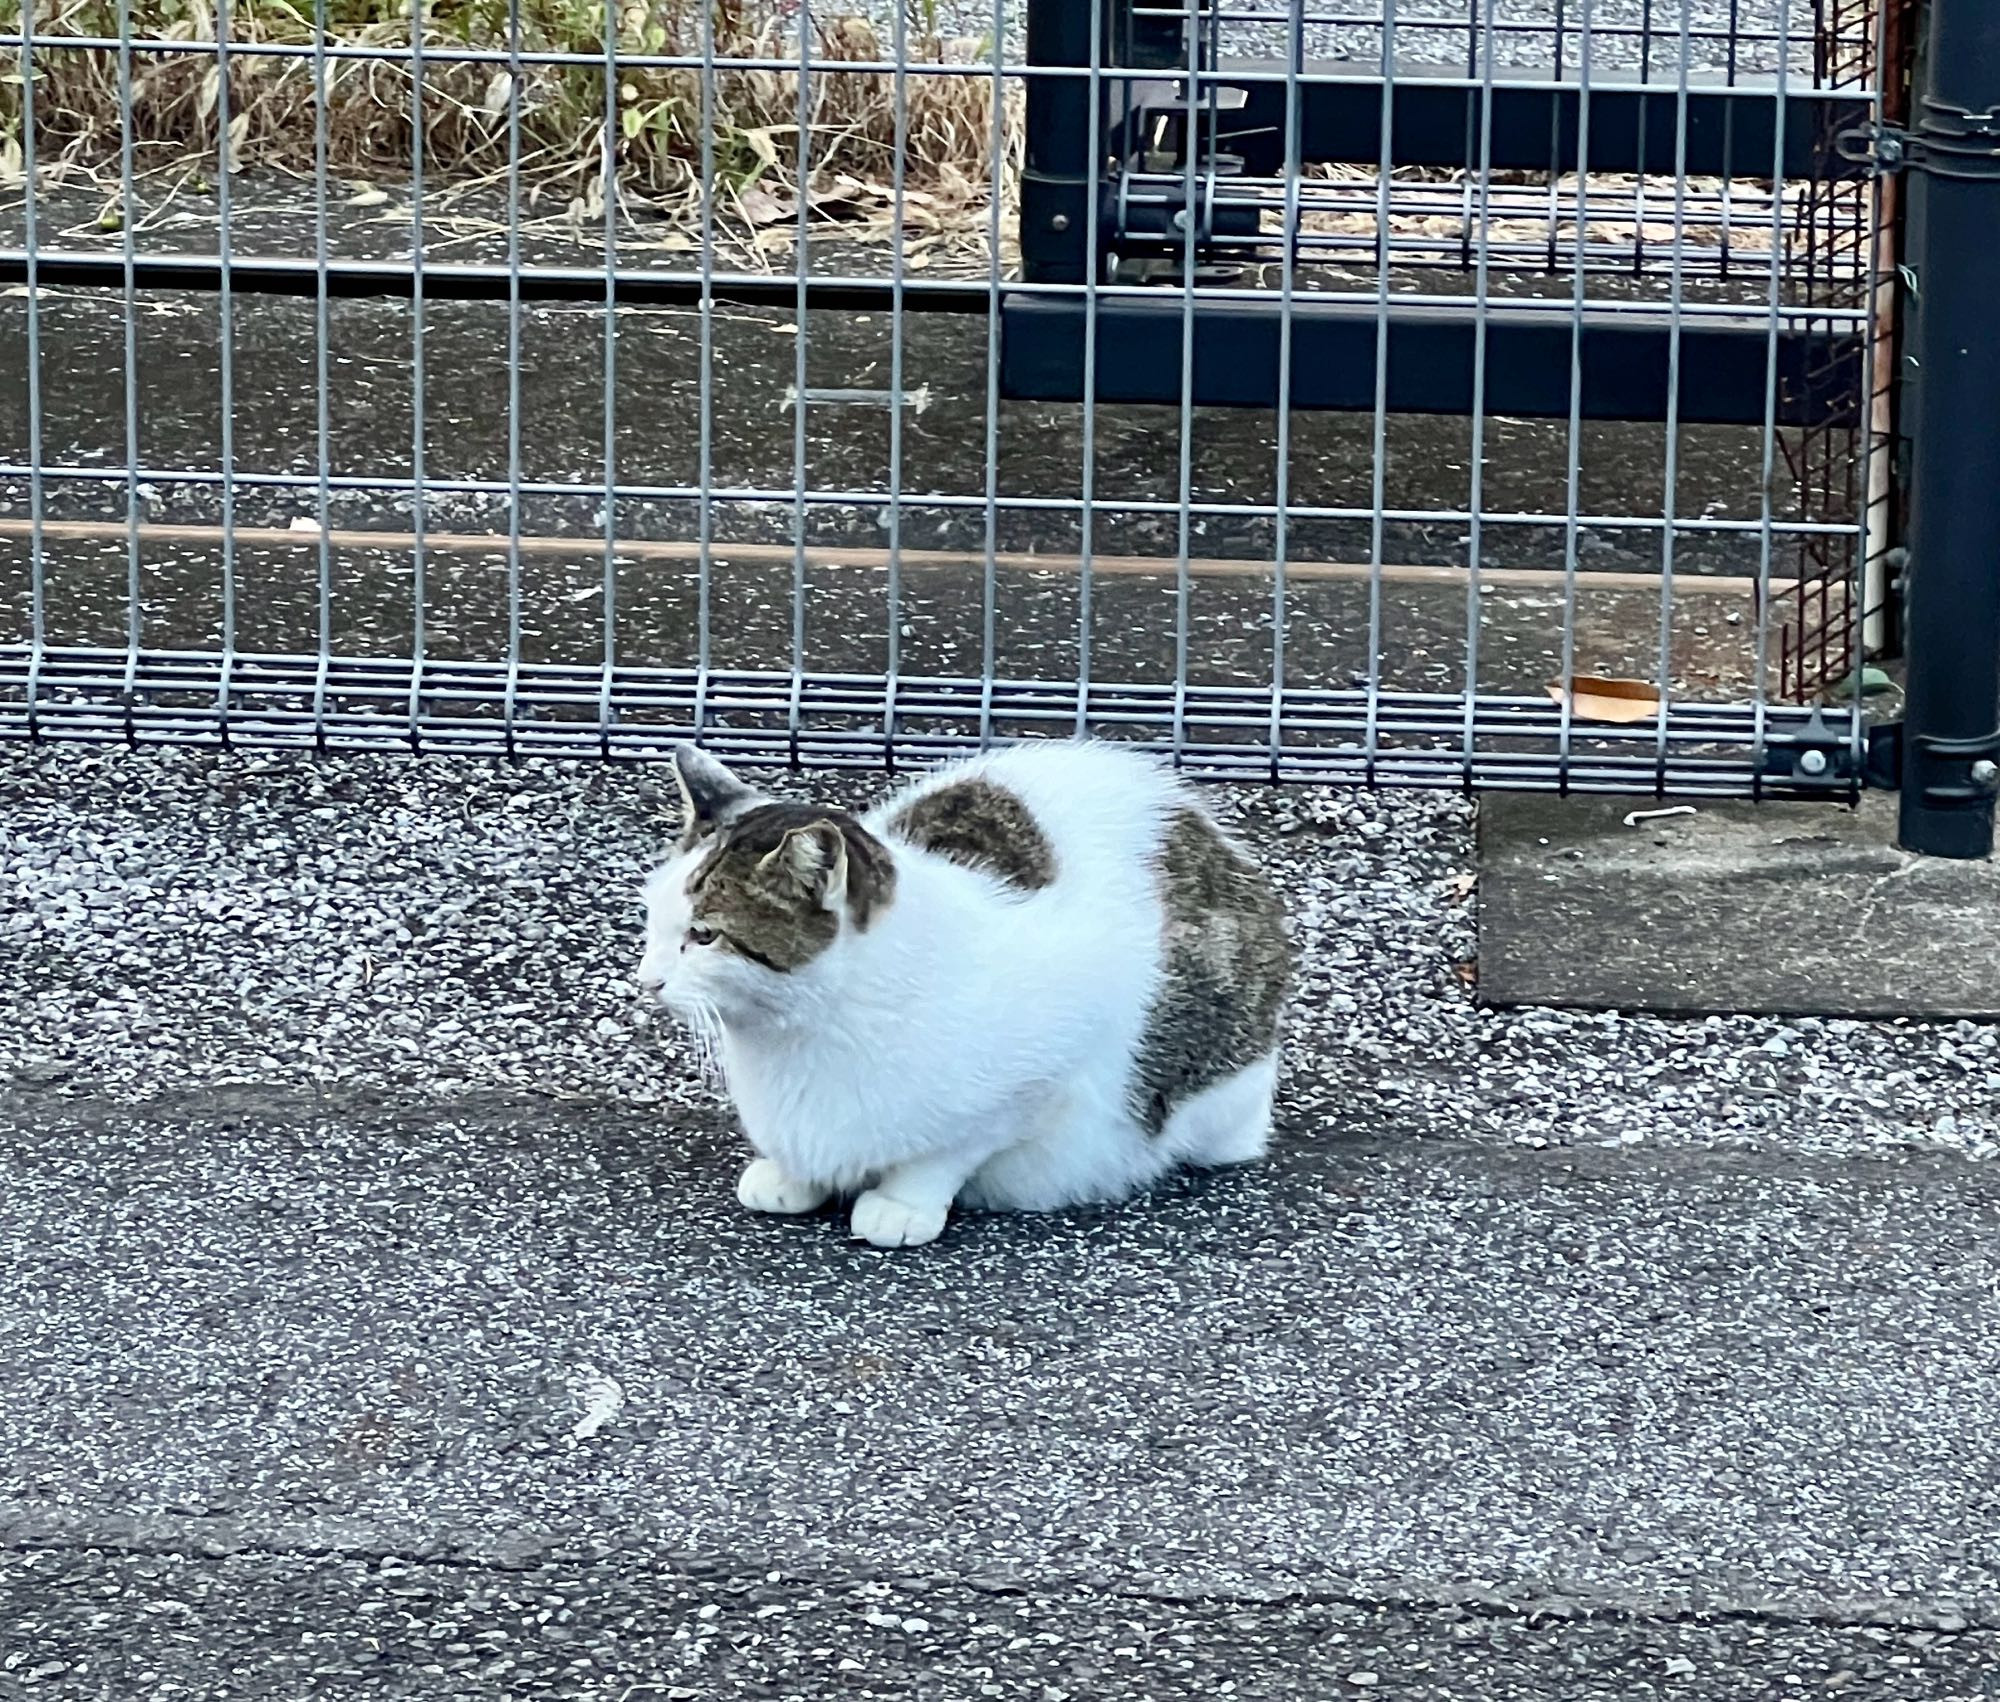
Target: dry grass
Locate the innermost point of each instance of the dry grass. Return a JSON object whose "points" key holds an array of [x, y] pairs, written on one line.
{"points": [[656, 114], [1531, 209]]}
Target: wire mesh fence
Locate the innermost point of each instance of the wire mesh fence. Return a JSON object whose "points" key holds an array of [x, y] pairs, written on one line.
{"points": [[1411, 391]]}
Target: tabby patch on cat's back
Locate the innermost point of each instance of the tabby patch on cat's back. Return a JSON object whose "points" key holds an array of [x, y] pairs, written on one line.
{"points": [[1226, 971], [1041, 977], [983, 826]]}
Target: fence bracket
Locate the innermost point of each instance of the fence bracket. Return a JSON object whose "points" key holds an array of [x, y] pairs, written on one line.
{"points": [[1957, 773], [1882, 757], [1959, 144], [1814, 756]]}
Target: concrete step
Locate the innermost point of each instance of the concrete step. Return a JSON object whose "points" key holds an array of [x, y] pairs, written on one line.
{"points": [[1461, 1384], [1618, 904]]}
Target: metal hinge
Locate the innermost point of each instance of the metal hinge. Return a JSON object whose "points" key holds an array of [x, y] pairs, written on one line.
{"points": [[1882, 148], [1885, 764], [1823, 754]]}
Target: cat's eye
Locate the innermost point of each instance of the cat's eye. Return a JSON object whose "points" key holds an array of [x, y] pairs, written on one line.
{"points": [[702, 936]]}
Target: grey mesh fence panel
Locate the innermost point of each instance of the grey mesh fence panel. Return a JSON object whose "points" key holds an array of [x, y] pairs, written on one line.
{"points": [[1352, 389]]}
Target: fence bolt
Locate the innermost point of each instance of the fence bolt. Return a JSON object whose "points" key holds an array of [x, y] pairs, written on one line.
{"points": [[1951, 731], [1813, 763]]}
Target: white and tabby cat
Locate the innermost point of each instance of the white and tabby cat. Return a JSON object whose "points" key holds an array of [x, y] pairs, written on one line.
{"points": [[1040, 977]]}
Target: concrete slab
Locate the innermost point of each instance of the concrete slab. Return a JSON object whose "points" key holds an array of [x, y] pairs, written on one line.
{"points": [[1790, 909]]}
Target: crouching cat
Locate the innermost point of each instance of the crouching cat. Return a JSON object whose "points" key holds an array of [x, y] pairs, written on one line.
{"points": [[1040, 977]]}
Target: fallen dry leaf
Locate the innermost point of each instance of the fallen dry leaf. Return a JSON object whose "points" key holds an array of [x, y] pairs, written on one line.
{"points": [[1622, 702], [761, 207]]}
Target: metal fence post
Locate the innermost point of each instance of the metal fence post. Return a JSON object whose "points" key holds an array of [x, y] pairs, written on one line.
{"points": [[1059, 177], [1951, 728]]}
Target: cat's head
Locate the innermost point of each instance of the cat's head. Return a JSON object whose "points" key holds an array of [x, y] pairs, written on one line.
{"points": [[747, 915]]}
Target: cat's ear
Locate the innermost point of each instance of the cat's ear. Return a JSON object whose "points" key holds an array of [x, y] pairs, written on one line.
{"points": [[708, 790], [811, 861]]}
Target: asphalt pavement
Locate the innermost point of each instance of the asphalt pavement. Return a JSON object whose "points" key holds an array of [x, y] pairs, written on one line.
{"points": [[1602, 1418]]}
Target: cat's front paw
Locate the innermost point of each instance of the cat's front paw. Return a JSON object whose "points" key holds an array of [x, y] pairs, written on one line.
{"points": [[764, 1187], [884, 1221]]}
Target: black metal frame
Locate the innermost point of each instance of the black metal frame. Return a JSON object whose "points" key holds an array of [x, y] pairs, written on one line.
{"points": [[1236, 341], [1431, 364], [1072, 231], [1731, 127]]}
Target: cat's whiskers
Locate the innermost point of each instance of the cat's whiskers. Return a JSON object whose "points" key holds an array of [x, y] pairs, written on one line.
{"points": [[704, 1026]]}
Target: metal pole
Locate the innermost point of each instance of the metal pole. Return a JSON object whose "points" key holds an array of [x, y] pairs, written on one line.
{"points": [[1951, 727], [1059, 177]]}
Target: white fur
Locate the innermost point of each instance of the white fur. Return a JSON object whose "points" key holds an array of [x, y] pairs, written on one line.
{"points": [[975, 1041]]}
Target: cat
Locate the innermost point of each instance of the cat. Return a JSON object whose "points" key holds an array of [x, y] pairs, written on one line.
{"points": [[1036, 978]]}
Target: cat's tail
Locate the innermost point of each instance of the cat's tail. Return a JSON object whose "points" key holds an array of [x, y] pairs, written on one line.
{"points": [[1227, 1122]]}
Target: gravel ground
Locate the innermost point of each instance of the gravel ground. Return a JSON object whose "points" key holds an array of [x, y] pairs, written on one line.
{"points": [[183, 920], [122, 1625], [1628, 34]]}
